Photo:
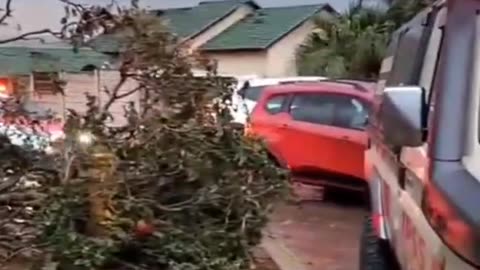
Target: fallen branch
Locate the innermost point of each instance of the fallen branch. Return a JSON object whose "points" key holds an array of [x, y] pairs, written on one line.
{"points": [[21, 196], [9, 184]]}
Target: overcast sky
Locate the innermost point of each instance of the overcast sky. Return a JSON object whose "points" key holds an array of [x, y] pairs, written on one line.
{"points": [[36, 14]]}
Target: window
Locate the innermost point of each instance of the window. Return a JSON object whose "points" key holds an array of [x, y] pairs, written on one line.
{"points": [[313, 108], [253, 93], [45, 83], [333, 110], [5, 87], [274, 104], [410, 52], [431, 64], [350, 113], [431, 81]]}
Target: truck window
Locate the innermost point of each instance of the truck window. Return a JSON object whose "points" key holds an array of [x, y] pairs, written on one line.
{"points": [[410, 53], [431, 62], [472, 159]]}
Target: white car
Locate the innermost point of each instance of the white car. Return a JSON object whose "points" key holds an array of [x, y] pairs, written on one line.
{"points": [[24, 137], [248, 92], [27, 137]]}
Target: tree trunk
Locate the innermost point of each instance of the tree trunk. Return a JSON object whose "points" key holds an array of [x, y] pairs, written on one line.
{"points": [[101, 187]]}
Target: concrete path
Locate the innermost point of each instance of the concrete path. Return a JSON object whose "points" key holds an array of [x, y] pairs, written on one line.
{"points": [[314, 234]]}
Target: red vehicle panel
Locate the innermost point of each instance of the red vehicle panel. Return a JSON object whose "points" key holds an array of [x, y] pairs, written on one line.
{"points": [[315, 128]]}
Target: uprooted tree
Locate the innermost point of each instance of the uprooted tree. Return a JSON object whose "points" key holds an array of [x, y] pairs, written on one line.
{"points": [[176, 187]]}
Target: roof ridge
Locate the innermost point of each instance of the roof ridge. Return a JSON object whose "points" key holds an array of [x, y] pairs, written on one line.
{"points": [[297, 24], [215, 20], [320, 6], [34, 48], [237, 4], [227, 1], [227, 7], [215, 1]]}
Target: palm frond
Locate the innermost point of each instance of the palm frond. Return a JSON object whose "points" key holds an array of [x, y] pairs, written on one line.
{"points": [[354, 43]]}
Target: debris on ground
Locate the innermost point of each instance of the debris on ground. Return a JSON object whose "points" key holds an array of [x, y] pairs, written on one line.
{"points": [[23, 189]]}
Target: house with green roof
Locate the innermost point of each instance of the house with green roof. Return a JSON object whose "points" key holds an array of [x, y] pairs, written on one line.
{"points": [[265, 42], [244, 38], [30, 70], [193, 25], [198, 24]]}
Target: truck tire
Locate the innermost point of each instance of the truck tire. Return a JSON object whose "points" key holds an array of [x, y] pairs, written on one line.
{"points": [[373, 251]]}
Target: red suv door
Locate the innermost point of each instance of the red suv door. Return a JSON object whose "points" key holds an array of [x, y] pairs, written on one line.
{"points": [[326, 132], [270, 121], [350, 119]]}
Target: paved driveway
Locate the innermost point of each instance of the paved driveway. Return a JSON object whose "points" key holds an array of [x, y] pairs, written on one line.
{"points": [[315, 234]]}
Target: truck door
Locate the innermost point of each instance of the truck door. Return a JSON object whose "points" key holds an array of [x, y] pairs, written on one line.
{"points": [[403, 171], [418, 246]]}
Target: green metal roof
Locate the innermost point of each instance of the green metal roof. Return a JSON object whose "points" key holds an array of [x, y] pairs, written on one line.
{"points": [[184, 22], [107, 43], [263, 28], [257, 31], [23, 60], [187, 22]]}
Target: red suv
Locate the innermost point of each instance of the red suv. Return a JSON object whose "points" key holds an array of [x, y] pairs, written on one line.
{"points": [[317, 130]]}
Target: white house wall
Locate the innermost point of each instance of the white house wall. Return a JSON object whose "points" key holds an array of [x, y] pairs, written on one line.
{"points": [[77, 85], [277, 61], [109, 79], [282, 55], [241, 62]]}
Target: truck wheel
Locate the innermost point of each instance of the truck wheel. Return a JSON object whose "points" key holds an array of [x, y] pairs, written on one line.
{"points": [[373, 251]]}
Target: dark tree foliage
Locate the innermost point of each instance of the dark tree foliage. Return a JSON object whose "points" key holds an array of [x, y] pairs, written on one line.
{"points": [[176, 187], [353, 44]]}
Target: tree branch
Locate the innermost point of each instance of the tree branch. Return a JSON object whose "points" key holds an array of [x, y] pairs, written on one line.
{"points": [[8, 12], [78, 7], [114, 94], [63, 33], [28, 34], [126, 94]]}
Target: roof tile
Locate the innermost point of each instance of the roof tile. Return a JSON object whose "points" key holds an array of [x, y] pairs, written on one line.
{"points": [[108, 43]]}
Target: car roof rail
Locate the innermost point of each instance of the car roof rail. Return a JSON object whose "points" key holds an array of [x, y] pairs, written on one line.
{"points": [[301, 81], [350, 82]]}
